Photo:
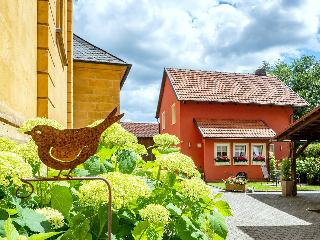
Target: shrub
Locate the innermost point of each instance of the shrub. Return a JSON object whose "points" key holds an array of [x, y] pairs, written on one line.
{"points": [[286, 169], [161, 199], [272, 165]]}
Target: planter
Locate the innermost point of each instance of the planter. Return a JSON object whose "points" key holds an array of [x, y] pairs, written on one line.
{"points": [[235, 187], [258, 162], [287, 187]]}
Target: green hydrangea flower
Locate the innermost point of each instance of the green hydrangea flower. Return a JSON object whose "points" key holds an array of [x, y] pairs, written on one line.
{"points": [[21, 237], [6, 144], [12, 168], [53, 216], [29, 152], [125, 189], [178, 163], [166, 140], [194, 189], [155, 214], [31, 123], [117, 136]]}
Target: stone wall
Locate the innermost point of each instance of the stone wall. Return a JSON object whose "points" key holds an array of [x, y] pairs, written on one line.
{"points": [[96, 91]]}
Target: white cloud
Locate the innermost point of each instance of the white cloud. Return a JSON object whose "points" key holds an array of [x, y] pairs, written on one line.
{"points": [[230, 35]]}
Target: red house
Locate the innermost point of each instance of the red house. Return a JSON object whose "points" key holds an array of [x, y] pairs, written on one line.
{"points": [[225, 120]]}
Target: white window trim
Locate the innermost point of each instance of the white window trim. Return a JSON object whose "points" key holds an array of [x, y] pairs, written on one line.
{"points": [[246, 155], [163, 120], [264, 153], [228, 153], [173, 114]]}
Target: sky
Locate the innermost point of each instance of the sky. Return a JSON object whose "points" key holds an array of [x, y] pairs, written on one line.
{"points": [[229, 35]]}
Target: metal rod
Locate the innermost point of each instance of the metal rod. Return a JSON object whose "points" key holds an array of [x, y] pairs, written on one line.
{"points": [[56, 179]]}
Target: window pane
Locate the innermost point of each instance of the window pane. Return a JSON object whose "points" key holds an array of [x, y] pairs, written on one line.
{"points": [[257, 150], [240, 150]]}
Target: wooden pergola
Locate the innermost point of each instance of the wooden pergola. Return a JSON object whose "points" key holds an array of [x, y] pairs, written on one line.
{"points": [[301, 133]]}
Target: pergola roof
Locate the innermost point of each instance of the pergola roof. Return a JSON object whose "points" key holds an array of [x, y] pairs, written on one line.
{"points": [[305, 128]]}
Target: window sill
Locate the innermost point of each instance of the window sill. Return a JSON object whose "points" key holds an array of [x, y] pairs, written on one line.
{"points": [[222, 163], [241, 163]]}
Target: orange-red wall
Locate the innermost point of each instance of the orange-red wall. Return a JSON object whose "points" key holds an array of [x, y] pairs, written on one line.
{"points": [[212, 172], [276, 117], [168, 99]]}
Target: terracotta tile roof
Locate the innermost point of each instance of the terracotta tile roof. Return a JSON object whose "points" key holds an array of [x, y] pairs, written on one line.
{"points": [[211, 86], [234, 129], [141, 130]]}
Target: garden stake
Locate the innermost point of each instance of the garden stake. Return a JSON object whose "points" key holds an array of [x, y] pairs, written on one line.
{"points": [[59, 179]]}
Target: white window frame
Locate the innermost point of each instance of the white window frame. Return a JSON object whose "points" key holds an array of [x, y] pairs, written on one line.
{"points": [[216, 145], [246, 155], [264, 153], [163, 120], [173, 114]]}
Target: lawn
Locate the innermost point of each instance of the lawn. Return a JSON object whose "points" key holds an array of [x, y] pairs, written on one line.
{"points": [[269, 186]]}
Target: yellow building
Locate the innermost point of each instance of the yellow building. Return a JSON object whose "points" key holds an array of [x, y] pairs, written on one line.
{"points": [[38, 76]]}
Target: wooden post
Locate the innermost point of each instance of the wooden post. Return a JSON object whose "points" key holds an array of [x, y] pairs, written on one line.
{"points": [[294, 169], [295, 152]]}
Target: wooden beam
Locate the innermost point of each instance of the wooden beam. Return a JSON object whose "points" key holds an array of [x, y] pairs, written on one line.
{"points": [[295, 153]]}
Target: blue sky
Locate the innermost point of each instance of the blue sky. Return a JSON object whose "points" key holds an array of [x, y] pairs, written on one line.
{"points": [[230, 35]]}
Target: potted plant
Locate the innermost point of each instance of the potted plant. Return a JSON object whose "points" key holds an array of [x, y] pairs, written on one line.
{"points": [[235, 184], [222, 160], [240, 160], [258, 160], [286, 180]]}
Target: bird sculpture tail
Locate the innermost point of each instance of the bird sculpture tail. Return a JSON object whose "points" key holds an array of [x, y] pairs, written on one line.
{"points": [[111, 118]]}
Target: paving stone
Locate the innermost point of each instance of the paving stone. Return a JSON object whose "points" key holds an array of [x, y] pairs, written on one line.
{"points": [[271, 216]]}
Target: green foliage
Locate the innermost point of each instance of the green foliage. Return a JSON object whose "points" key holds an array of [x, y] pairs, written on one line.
{"points": [[302, 76], [31, 123], [161, 199], [61, 199], [272, 166], [313, 150], [6, 144], [286, 169]]}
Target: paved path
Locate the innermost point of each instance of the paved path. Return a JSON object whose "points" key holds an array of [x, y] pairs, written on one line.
{"points": [[269, 216]]}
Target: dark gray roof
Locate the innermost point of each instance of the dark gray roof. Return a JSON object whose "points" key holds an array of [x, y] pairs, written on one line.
{"points": [[85, 51]]}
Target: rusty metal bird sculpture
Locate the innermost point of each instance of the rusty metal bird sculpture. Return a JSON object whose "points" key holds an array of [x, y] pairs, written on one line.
{"points": [[66, 149]]}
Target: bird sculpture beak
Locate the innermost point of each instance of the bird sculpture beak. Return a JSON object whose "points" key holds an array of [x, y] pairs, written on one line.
{"points": [[28, 132]]}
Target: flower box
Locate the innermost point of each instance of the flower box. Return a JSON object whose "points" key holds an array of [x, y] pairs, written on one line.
{"points": [[222, 161], [240, 160], [235, 187], [259, 160]]}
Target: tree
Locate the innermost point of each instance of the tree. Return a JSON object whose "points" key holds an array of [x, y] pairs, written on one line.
{"points": [[302, 75]]}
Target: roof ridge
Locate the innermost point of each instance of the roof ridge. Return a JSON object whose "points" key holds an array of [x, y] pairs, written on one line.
{"points": [[214, 71], [99, 48]]}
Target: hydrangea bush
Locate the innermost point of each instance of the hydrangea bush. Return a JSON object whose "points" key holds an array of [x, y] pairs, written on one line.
{"points": [[161, 199]]}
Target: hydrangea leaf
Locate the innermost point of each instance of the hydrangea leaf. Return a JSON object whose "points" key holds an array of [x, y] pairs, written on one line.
{"points": [[61, 199], [187, 230], [3, 214], [143, 231], [174, 210], [79, 229], [92, 165], [223, 207], [127, 161], [31, 219], [217, 222], [9, 229], [43, 236]]}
